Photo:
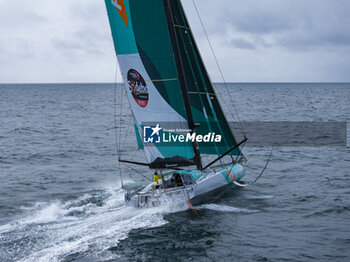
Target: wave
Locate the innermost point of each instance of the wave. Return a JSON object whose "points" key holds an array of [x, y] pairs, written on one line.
{"points": [[89, 225], [333, 210]]}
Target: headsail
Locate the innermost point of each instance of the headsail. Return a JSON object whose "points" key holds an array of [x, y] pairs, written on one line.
{"points": [[145, 49]]}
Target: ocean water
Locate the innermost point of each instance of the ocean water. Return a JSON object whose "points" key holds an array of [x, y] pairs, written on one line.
{"points": [[61, 200]]}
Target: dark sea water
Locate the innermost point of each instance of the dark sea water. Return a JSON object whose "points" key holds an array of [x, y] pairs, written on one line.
{"points": [[61, 200]]}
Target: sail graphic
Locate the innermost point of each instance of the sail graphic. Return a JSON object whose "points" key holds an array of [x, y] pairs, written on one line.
{"points": [[152, 39], [119, 4]]}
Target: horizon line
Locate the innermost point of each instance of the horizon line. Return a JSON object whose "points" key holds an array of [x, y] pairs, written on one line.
{"points": [[257, 82]]}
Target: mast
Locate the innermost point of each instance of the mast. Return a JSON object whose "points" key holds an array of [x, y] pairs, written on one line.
{"points": [[181, 74]]}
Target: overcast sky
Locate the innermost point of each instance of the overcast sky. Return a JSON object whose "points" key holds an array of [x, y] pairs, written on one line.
{"points": [[254, 40]]}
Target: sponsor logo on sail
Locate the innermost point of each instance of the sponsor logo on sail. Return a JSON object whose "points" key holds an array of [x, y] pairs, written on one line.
{"points": [[138, 88], [120, 6]]}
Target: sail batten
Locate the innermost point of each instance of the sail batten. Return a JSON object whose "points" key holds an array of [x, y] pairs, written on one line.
{"points": [[163, 80]]}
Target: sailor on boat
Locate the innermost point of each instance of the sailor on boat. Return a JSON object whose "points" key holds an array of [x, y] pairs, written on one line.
{"points": [[157, 180], [156, 177]]}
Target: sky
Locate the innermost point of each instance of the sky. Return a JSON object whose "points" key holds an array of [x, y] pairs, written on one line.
{"points": [[69, 41]]}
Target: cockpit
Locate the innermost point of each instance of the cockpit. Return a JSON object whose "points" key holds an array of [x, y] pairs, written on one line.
{"points": [[177, 180]]}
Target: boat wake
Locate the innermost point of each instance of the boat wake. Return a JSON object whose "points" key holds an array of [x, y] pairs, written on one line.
{"points": [[84, 227], [225, 208], [258, 197]]}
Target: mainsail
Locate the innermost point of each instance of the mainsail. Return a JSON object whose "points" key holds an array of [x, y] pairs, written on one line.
{"points": [[165, 78]]}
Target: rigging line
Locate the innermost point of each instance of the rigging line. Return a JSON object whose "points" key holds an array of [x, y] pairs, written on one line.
{"points": [[122, 144], [240, 156], [116, 119], [120, 119], [218, 65], [138, 172], [134, 154], [115, 124], [222, 93], [261, 173], [127, 132], [120, 174]]}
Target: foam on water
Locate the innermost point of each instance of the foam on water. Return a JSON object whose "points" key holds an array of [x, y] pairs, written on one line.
{"points": [[225, 208], [259, 197], [56, 230]]}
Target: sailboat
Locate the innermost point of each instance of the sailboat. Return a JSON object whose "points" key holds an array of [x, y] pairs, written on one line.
{"points": [[176, 113]]}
